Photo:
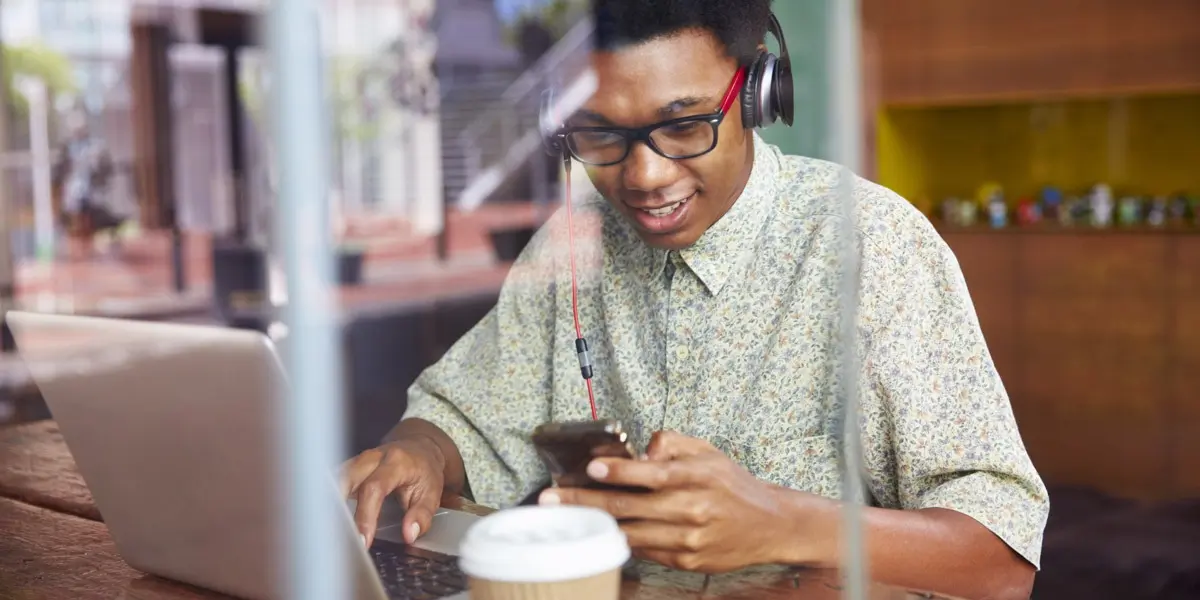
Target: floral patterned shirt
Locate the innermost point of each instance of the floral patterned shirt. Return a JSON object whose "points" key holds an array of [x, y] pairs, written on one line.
{"points": [[735, 340]]}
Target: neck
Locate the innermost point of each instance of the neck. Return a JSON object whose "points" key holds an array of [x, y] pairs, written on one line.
{"points": [[744, 178]]}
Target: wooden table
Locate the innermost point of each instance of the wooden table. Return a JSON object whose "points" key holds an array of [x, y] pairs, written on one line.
{"points": [[54, 545]]}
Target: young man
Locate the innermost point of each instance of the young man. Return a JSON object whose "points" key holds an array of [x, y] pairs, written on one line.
{"points": [[709, 289]]}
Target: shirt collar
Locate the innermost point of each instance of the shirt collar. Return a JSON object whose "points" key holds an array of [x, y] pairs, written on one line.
{"points": [[725, 246]]}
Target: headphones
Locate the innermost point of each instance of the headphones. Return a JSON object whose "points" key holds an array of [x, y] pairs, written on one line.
{"points": [[767, 95]]}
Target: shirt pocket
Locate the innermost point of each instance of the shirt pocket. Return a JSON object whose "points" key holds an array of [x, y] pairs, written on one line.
{"points": [[808, 464]]}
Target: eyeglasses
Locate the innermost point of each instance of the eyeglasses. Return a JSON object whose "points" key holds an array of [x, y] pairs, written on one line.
{"points": [[676, 139]]}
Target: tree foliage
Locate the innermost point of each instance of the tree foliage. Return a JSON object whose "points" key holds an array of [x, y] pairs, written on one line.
{"points": [[41, 62], [557, 16]]}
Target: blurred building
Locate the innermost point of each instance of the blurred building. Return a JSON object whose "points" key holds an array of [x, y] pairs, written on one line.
{"points": [[386, 104], [95, 37], [388, 109], [475, 66]]}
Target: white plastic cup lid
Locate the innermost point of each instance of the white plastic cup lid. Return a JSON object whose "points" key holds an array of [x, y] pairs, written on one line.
{"points": [[540, 544]]}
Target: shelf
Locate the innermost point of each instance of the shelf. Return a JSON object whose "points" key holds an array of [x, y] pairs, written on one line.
{"points": [[1142, 145], [944, 229]]}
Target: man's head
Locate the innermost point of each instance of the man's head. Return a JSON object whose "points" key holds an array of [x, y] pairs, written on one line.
{"points": [[657, 61]]}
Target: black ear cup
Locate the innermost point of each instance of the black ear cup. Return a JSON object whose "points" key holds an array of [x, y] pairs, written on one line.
{"points": [[784, 91], [750, 114]]}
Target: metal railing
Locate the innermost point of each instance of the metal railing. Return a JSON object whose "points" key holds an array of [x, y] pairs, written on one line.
{"points": [[500, 140]]}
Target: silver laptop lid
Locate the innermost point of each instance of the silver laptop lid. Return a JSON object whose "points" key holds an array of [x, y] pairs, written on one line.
{"points": [[173, 428]]}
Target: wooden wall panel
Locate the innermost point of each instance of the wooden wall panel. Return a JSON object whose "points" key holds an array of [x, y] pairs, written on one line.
{"points": [[1186, 274], [1091, 318], [1073, 378], [1185, 398], [1095, 264], [956, 51], [1097, 335], [1186, 336], [1186, 355], [1113, 457], [1185, 463], [989, 267]]}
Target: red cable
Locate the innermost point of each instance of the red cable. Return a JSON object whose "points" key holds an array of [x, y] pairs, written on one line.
{"points": [[574, 281]]}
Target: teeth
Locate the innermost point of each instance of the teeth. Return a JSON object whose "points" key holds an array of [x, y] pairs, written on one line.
{"points": [[666, 210]]}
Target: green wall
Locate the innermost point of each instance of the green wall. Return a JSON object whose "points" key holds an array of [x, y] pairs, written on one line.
{"points": [[804, 26]]}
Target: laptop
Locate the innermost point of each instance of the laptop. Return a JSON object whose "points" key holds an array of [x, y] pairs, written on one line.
{"points": [[173, 428]]}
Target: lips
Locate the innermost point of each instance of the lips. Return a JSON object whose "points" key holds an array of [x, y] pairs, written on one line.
{"points": [[665, 210], [663, 218]]}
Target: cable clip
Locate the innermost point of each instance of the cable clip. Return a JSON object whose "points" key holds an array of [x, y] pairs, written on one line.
{"points": [[585, 357]]}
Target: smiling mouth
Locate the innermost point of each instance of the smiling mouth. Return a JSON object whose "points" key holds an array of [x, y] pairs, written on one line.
{"points": [[663, 211]]}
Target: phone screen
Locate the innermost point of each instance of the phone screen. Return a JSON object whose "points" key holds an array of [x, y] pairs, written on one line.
{"points": [[567, 448]]}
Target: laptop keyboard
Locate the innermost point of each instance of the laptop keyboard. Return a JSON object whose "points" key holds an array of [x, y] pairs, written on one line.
{"points": [[411, 574]]}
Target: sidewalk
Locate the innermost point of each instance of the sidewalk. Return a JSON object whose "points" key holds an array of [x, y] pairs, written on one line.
{"points": [[138, 279]]}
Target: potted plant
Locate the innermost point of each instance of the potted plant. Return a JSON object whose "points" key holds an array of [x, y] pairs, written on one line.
{"points": [[349, 256], [348, 253]]}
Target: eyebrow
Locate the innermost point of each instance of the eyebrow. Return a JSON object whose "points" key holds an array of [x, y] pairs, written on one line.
{"points": [[667, 110], [680, 104], [596, 117]]}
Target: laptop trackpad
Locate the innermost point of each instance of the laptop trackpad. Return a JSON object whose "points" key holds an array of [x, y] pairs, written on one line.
{"points": [[445, 536]]}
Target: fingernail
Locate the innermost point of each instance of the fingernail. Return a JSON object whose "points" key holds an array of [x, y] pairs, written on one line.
{"points": [[549, 498], [597, 470], [364, 540], [644, 456], [415, 528]]}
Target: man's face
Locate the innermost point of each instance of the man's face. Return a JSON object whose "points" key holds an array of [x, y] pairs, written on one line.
{"points": [[682, 75]]}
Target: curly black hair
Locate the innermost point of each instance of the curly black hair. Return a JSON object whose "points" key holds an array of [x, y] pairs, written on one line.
{"points": [[740, 25]]}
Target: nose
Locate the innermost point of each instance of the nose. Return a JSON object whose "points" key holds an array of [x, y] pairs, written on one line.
{"points": [[644, 170]]}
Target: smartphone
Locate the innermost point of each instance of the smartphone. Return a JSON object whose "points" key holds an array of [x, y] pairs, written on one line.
{"points": [[567, 448]]}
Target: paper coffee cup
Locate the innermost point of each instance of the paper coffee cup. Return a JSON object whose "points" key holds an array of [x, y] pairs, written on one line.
{"points": [[544, 553]]}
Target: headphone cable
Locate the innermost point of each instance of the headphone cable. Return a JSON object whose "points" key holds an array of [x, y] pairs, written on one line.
{"points": [[581, 344]]}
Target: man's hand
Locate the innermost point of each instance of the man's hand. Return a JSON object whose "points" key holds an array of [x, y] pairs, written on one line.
{"points": [[704, 512], [412, 468]]}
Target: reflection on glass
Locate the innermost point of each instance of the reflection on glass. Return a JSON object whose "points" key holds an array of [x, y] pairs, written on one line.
{"points": [[1015, 323], [317, 539], [845, 137]]}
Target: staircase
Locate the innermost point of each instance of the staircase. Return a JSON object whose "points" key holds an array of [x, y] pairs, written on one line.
{"points": [[504, 135], [464, 98]]}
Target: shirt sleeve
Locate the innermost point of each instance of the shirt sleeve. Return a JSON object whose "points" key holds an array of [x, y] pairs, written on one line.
{"points": [[495, 385], [939, 430]]}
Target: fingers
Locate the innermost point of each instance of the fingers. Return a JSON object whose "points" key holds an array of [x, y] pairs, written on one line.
{"points": [[657, 535], [621, 505], [371, 495], [652, 474], [420, 501], [396, 471], [356, 470], [668, 445], [668, 507]]}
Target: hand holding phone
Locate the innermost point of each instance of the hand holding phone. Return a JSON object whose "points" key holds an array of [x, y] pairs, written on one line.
{"points": [[567, 448]]}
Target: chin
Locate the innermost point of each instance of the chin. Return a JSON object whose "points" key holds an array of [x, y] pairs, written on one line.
{"points": [[676, 240]]}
